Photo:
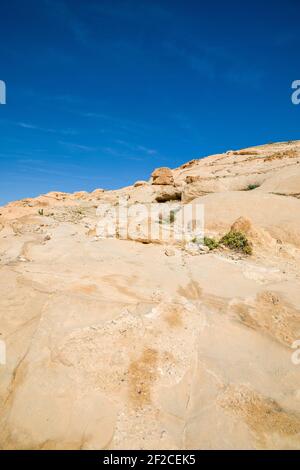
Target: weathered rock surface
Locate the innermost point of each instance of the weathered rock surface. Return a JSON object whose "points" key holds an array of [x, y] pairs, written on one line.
{"points": [[130, 342], [140, 183], [162, 176], [268, 168]]}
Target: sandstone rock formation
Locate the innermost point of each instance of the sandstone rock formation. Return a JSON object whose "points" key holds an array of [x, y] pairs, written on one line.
{"points": [[162, 176], [140, 183], [135, 341]]}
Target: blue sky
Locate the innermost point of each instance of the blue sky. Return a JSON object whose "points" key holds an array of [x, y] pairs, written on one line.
{"points": [[101, 92]]}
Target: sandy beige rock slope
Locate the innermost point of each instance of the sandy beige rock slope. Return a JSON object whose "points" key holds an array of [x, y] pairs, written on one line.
{"points": [[115, 344]]}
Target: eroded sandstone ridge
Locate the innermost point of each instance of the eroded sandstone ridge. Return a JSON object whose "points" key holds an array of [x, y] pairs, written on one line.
{"points": [[115, 343]]}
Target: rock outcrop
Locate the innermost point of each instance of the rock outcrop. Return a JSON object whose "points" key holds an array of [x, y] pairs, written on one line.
{"points": [[162, 176], [117, 337]]}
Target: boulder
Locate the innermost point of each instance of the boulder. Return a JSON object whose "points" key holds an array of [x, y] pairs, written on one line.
{"points": [[277, 215], [162, 176], [242, 224], [97, 192], [140, 183], [168, 193], [256, 235], [80, 195], [154, 193], [192, 179], [192, 191]]}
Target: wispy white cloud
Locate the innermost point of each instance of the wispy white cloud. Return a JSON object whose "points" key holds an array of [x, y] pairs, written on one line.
{"points": [[198, 61], [65, 14], [214, 63], [118, 154], [182, 121], [29, 161], [27, 125], [68, 99], [139, 12], [136, 147], [35, 174], [118, 123], [76, 146]]}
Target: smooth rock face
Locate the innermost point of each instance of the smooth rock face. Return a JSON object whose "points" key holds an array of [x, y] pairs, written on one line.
{"points": [[134, 342]]}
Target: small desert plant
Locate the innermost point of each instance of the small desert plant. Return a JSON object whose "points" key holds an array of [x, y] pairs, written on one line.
{"points": [[169, 217], [172, 217], [197, 240], [41, 211], [237, 241], [78, 210], [211, 243], [250, 187]]}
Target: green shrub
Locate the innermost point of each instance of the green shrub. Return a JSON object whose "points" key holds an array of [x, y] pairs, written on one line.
{"points": [[169, 218], [211, 243], [197, 240], [41, 211], [172, 217], [250, 187], [237, 241]]}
